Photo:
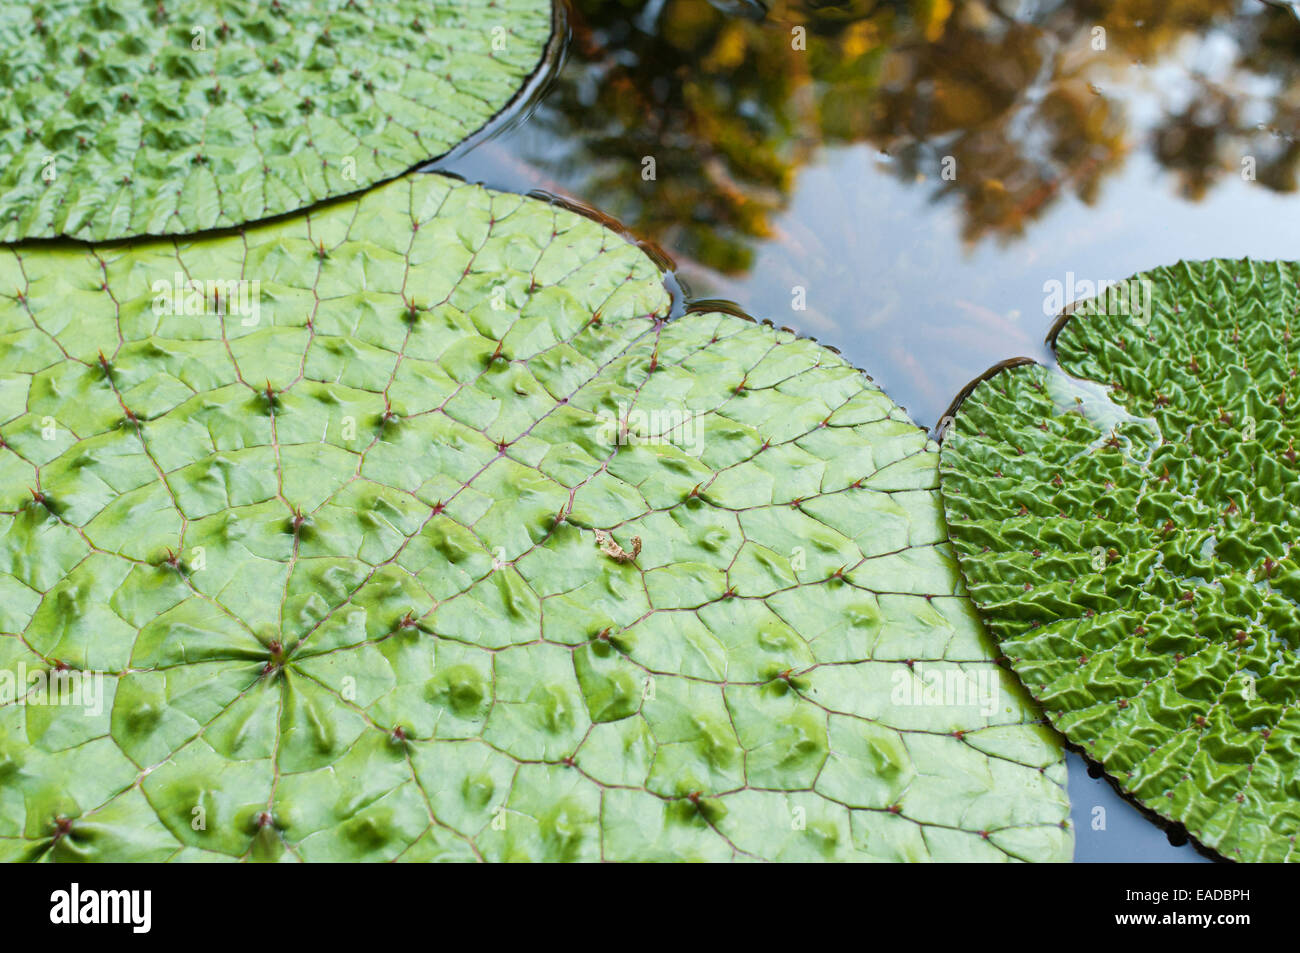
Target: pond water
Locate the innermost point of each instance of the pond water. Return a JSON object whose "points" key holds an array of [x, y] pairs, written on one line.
{"points": [[910, 181]]}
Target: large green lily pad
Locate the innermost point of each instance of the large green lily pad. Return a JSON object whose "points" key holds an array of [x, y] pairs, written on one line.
{"points": [[1127, 530], [121, 119], [453, 547]]}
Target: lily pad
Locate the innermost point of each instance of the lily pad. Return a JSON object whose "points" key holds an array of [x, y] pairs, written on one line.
{"points": [[444, 543], [133, 119], [1126, 526]]}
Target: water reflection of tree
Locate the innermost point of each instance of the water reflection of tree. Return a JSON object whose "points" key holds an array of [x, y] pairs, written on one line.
{"points": [[730, 107]]}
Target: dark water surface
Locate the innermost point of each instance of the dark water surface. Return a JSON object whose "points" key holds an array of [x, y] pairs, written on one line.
{"points": [[917, 174]]}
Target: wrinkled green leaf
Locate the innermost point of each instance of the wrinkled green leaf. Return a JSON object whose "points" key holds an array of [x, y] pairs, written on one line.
{"points": [[121, 119], [339, 560], [1127, 533]]}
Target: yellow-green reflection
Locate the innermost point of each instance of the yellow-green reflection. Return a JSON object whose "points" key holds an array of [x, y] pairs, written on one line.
{"points": [[730, 107], [905, 178]]}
